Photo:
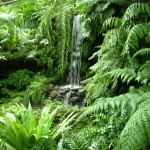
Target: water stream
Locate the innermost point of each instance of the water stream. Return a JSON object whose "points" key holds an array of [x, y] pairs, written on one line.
{"points": [[76, 51], [74, 92]]}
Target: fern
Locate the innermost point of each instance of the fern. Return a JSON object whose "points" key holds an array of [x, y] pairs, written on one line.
{"points": [[35, 91], [134, 10], [125, 74], [136, 33], [45, 26], [142, 52], [112, 22], [136, 133], [125, 37], [128, 101], [136, 103], [63, 29]]}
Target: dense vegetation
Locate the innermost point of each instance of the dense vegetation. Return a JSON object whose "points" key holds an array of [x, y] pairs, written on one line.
{"points": [[35, 50]]}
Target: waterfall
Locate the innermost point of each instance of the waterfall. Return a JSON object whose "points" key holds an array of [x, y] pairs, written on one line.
{"points": [[76, 51], [73, 93]]}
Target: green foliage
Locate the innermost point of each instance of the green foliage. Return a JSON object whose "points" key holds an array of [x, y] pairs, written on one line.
{"points": [[63, 29], [35, 30], [100, 131], [126, 36], [35, 91], [135, 134], [21, 131], [19, 79], [12, 88]]}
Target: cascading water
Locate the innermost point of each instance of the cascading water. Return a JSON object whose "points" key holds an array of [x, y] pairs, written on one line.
{"points": [[74, 93], [76, 51]]}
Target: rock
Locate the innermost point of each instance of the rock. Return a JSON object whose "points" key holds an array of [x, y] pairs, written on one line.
{"points": [[72, 94], [73, 100], [53, 94], [50, 87], [81, 92]]}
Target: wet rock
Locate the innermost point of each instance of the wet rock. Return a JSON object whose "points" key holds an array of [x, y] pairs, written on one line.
{"points": [[72, 94], [53, 94], [81, 92], [74, 100]]}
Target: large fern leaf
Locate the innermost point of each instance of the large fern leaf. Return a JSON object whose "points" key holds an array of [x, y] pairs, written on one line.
{"points": [[137, 32], [134, 10], [136, 133], [129, 102]]}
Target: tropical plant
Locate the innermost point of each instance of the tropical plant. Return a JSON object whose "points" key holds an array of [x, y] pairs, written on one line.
{"points": [[39, 33], [19, 79], [136, 105], [35, 91], [21, 130], [122, 59], [100, 131]]}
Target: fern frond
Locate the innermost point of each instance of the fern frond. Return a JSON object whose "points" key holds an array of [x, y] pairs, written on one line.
{"points": [[134, 10], [63, 28], [112, 22], [145, 66], [128, 102], [125, 74], [136, 133], [45, 26], [136, 33], [142, 52], [144, 73]]}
